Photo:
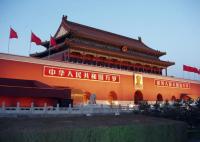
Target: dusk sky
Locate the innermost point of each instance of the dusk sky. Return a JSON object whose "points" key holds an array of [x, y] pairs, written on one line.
{"points": [[172, 26]]}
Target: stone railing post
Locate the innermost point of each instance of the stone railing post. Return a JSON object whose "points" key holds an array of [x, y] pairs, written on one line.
{"points": [[57, 107], [3, 106], [70, 108], [18, 107], [45, 107], [32, 107], [116, 110], [120, 107], [127, 107]]}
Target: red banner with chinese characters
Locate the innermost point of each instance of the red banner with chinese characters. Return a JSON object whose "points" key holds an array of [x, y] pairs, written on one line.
{"points": [[79, 74], [172, 84]]}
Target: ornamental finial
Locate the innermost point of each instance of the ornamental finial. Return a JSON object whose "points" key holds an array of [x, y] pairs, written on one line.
{"points": [[64, 17]]}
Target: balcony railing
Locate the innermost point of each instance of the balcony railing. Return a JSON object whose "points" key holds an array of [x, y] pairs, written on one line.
{"points": [[112, 63]]}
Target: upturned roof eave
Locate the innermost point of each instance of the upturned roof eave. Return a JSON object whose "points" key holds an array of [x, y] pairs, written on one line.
{"points": [[68, 25], [143, 47]]}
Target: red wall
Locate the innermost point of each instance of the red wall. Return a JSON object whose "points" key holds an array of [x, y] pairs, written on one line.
{"points": [[124, 90], [150, 90]]}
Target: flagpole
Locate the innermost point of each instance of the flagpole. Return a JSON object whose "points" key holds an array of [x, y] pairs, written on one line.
{"points": [[9, 45], [49, 52], [49, 46], [30, 48], [30, 45], [9, 42]]}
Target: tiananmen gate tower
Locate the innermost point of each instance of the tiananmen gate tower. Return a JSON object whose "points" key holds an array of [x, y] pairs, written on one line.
{"points": [[86, 61]]}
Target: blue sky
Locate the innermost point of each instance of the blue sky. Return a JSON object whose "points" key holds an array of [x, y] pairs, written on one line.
{"points": [[168, 25]]}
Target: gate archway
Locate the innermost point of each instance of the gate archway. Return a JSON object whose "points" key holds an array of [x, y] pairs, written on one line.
{"points": [[159, 97], [112, 97], [173, 98], [138, 97], [184, 97]]}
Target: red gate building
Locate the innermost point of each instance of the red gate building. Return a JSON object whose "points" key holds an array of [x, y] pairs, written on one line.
{"points": [[89, 61]]}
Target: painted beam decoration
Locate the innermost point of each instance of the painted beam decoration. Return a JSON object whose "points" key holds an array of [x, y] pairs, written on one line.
{"points": [[172, 84], [49, 71]]}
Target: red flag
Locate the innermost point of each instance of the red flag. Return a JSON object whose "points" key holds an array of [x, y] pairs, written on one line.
{"points": [[35, 39], [195, 70], [13, 34], [52, 41], [187, 68], [190, 69]]}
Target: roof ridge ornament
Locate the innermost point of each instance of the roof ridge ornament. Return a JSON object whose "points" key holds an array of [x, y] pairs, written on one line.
{"points": [[64, 17], [139, 39]]}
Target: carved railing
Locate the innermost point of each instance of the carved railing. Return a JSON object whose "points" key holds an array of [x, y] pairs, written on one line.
{"points": [[81, 109], [85, 59]]}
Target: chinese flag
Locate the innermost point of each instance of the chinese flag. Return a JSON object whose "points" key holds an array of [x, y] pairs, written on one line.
{"points": [[13, 34], [52, 41], [35, 39], [187, 68], [190, 69]]}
